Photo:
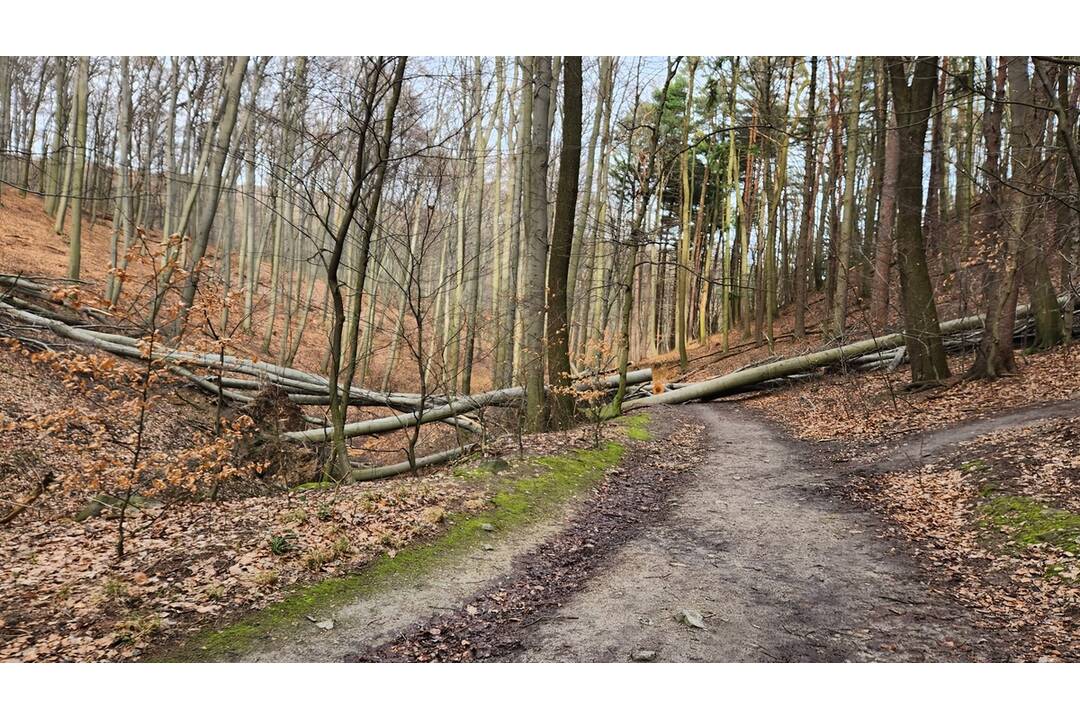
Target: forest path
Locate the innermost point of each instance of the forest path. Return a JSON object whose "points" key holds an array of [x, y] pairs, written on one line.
{"points": [[776, 563], [758, 541], [377, 617], [917, 450]]}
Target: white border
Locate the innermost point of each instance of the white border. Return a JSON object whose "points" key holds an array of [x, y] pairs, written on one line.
{"points": [[448, 27]]}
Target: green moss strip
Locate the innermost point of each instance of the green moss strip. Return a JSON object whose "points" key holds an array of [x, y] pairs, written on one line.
{"points": [[637, 426], [526, 493], [1027, 522]]}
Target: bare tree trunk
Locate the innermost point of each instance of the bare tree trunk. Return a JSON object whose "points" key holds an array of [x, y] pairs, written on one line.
{"points": [[1025, 134], [54, 162], [847, 224], [222, 142], [43, 81], [774, 200], [78, 166], [932, 230], [877, 174], [596, 269], [885, 241], [913, 102], [582, 218], [472, 320], [5, 114], [806, 221], [686, 196], [515, 229], [562, 239], [339, 377], [647, 186], [536, 247], [125, 219]]}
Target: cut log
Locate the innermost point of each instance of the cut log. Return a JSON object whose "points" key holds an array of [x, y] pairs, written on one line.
{"points": [[385, 471], [401, 421]]}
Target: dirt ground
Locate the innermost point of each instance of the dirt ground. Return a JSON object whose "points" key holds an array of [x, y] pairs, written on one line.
{"points": [[776, 566], [757, 540]]}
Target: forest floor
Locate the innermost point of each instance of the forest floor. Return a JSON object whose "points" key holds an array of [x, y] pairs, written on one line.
{"points": [[839, 518], [266, 564], [728, 539]]}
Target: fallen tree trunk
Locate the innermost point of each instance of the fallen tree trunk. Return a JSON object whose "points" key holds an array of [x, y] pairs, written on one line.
{"points": [[454, 407], [287, 378], [714, 387], [23, 503], [302, 387], [385, 471], [401, 421]]}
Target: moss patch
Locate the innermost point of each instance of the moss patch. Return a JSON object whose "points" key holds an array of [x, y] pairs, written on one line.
{"points": [[977, 465], [481, 470], [1026, 522], [524, 493], [637, 426]]}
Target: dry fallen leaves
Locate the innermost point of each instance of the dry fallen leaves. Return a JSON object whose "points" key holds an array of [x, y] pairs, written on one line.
{"points": [[1031, 590], [872, 407]]}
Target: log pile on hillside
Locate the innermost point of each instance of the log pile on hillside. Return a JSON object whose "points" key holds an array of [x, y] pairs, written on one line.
{"points": [[35, 306], [32, 305]]}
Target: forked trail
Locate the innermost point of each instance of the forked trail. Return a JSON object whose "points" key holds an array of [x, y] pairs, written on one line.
{"points": [[758, 545], [776, 564]]}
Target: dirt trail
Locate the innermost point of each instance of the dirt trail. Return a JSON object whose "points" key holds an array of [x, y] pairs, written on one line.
{"points": [[919, 449], [759, 541], [776, 564], [378, 617]]}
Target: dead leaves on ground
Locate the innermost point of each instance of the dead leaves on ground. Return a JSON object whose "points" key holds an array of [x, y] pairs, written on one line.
{"points": [[873, 407], [64, 598], [1029, 590]]}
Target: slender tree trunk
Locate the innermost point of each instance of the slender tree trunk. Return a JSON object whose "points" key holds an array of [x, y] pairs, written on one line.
{"points": [[847, 225], [222, 143], [965, 158], [515, 228], [562, 239], [591, 308], [472, 322], [536, 247], [885, 241], [913, 102], [43, 81], [995, 357], [638, 223], [582, 218], [125, 219], [932, 228], [343, 364], [54, 162], [79, 165], [806, 221], [877, 174], [686, 195], [5, 114], [1025, 133], [774, 219]]}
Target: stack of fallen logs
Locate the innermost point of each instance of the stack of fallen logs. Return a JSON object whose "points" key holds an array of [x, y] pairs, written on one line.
{"points": [[35, 306], [886, 351], [226, 376]]}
